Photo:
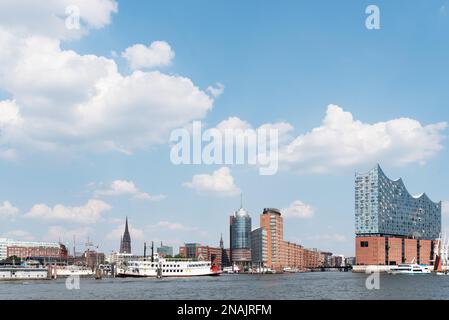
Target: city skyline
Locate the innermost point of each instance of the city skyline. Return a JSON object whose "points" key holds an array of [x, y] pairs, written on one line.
{"points": [[343, 98]]}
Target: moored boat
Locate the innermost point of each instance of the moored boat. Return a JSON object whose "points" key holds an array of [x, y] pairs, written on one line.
{"points": [[412, 268], [23, 273], [67, 271], [160, 267]]}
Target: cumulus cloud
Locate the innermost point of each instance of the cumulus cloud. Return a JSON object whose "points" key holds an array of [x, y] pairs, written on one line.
{"points": [[127, 188], [341, 141], [9, 113], [64, 101], [216, 90], [220, 183], [63, 234], [170, 230], [7, 210], [157, 54], [19, 235], [172, 226], [117, 233], [236, 124], [89, 213], [25, 17], [299, 210]]}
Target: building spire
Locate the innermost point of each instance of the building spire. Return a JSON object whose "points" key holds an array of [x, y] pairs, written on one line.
{"points": [[126, 225], [125, 246], [241, 200]]}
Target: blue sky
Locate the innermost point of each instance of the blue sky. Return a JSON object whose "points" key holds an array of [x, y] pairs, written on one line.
{"points": [[280, 62]]}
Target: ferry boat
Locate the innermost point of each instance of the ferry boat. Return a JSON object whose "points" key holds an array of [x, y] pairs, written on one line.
{"points": [[23, 273], [160, 267], [231, 269], [67, 271], [410, 269]]}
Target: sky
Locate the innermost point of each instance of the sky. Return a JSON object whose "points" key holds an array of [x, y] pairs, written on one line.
{"points": [[86, 112]]}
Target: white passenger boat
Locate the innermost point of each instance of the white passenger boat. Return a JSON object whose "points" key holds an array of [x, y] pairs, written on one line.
{"points": [[410, 269], [23, 273], [231, 269], [67, 271], [160, 267]]}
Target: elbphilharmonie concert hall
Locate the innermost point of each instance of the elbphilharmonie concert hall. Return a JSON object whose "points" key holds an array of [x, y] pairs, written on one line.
{"points": [[392, 226]]}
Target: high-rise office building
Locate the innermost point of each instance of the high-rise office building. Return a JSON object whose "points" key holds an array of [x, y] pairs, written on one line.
{"points": [[125, 243], [240, 238], [391, 225], [259, 248], [271, 220]]}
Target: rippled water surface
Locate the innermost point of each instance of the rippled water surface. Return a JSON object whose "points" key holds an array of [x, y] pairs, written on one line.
{"points": [[319, 285]]}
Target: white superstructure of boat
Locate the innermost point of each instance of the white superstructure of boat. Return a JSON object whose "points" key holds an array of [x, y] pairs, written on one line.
{"points": [[160, 267]]}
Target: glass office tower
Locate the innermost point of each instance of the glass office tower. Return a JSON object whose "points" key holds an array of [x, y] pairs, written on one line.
{"points": [[240, 238]]}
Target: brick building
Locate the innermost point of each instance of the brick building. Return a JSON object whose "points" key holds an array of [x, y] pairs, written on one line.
{"points": [[45, 252], [200, 252]]}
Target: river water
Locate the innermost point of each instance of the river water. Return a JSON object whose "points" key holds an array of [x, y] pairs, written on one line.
{"points": [[317, 286]]}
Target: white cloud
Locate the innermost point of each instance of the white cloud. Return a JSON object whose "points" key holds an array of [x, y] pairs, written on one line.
{"points": [[157, 54], [298, 209], [169, 230], [172, 226], [7, 210], [220, 183], [90, 213], [9, 113], [117, 233], [65, 102], [59, 233], [342, 142], [19, 235], [216, 90], [123, 187], [235, 124], [25, 17]]}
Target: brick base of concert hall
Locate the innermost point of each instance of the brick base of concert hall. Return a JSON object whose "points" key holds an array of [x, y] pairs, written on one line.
{"points": [[382, 250]]}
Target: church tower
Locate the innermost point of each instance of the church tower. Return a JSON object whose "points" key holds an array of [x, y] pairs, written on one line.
{"points": [[125, 243]]}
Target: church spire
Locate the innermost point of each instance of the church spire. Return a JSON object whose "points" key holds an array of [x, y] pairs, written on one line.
{"points": [[125, 247]]}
